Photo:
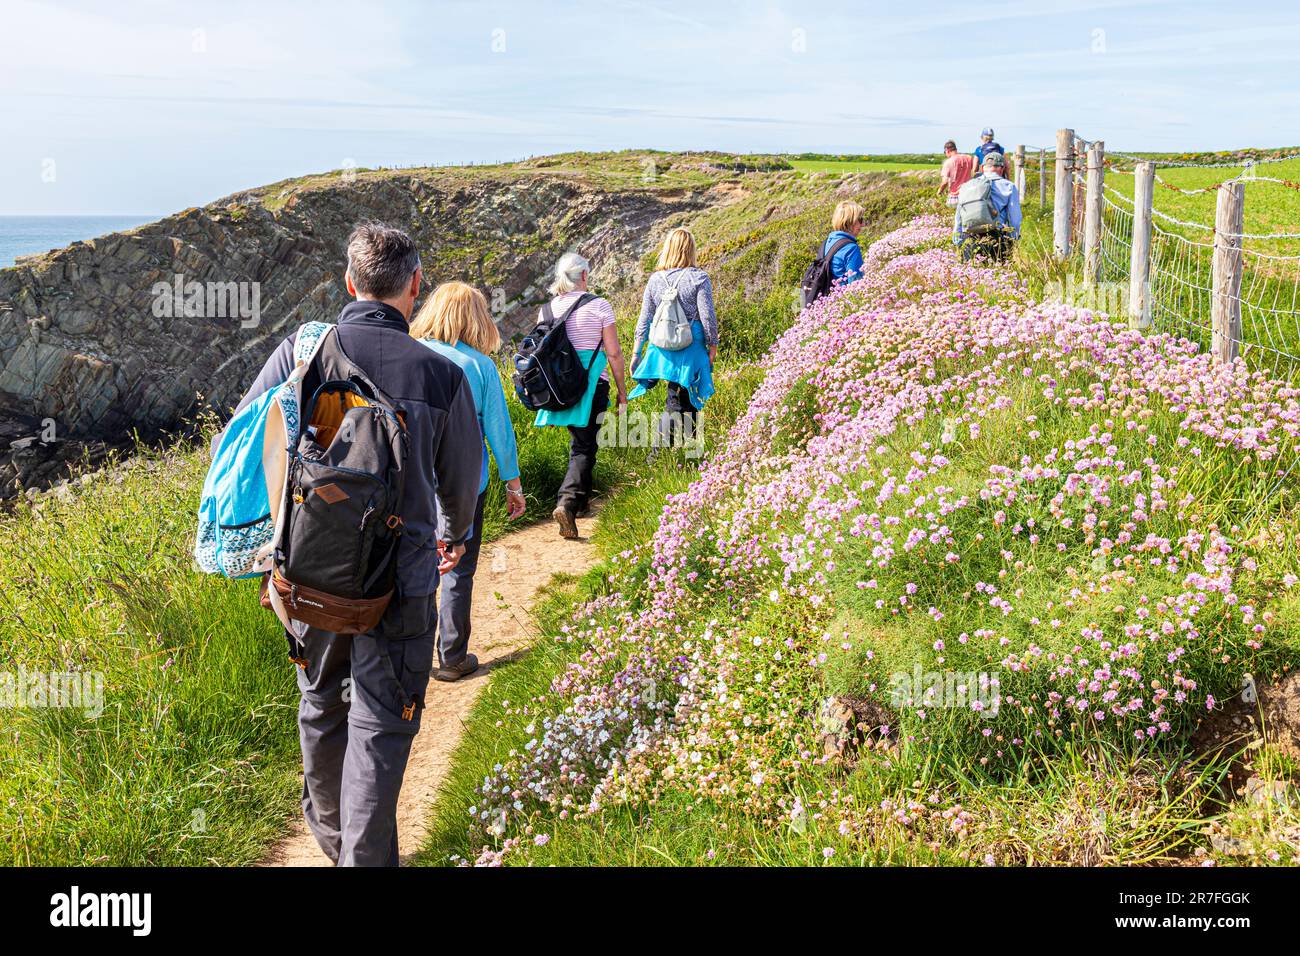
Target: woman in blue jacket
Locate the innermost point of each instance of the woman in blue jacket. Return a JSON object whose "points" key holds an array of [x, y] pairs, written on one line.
{"points": [[688, 372], [847, 223], [455, 322]]}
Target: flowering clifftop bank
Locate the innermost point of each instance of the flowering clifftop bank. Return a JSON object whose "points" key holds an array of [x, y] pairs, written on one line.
{"points": [[994, 529]]}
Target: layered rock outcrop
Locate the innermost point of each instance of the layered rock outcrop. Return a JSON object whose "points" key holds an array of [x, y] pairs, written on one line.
{"points": [[103, 339]]}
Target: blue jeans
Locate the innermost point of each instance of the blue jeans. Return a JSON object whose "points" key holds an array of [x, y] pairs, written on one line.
{"points": [[456, 597]]}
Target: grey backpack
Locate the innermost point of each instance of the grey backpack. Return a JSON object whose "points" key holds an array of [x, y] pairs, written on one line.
{"points": [[975, 209], [671, 329]]}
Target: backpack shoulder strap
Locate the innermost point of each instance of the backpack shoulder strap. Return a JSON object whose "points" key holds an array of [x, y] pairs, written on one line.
{"points": [[583, 299], [308, 341], [839, 244]]}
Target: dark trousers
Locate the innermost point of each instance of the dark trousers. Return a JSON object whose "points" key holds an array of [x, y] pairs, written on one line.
{"points": [[355, 737], [678, 422], [575, 490], [456, 596], [996, 246]]}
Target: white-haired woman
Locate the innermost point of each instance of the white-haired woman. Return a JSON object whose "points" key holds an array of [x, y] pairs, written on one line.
{"points": [[589, 322], [687, 373]]}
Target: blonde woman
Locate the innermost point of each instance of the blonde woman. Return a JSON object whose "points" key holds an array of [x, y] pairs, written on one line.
{"points": [[847, 222], [455, 323], [687, 373]]}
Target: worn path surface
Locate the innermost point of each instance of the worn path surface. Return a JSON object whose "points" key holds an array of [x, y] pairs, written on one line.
{"points": [[510, 571]]}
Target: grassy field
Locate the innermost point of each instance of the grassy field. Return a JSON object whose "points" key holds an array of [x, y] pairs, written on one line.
{"points": [[568, 759], [855, 166], [195, 758], [1270, 207]]}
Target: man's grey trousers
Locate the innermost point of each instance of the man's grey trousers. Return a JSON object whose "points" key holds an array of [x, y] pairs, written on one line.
{"points": [[354, 735]]}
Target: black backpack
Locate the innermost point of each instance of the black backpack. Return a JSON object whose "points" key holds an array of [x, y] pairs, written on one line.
{"points": [[336, 561], [548, 373], [817, 278]]}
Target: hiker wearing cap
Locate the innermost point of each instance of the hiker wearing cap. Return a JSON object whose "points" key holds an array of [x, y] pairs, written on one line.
{"points": [[987, 218], [456, 324], [987, 145], [589, 323], [957, 170], [682, 360], [362, 694]]}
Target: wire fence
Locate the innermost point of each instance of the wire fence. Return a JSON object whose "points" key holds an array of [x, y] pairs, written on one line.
{"points": [[1181, 290], [1188, 294]]}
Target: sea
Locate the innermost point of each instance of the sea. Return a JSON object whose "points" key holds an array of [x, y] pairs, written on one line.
{"points": [[24, 235]]}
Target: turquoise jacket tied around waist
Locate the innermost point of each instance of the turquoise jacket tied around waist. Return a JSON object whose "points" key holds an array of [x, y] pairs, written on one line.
{"points": [[579, 415], [688, 367]]}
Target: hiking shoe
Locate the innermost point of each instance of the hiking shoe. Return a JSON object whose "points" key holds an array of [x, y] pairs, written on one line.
{"points": [[565, 518], [456, 671]]}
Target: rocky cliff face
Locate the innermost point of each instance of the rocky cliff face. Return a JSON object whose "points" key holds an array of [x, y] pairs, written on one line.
{"points": [[106, 338]]}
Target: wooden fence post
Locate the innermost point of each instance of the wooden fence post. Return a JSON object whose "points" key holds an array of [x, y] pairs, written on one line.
{"points": [[1139, 288], [1020, 171], [1042, 177], [1078, 204], [1064, 193], [1093, 213], [1225, 275]]}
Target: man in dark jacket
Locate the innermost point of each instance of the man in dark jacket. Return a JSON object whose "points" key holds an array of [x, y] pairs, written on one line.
{"points": [[356, 736]]}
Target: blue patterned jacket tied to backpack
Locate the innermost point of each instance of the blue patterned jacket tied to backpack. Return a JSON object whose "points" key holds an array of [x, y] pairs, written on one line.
{"points": [[244, 487]]}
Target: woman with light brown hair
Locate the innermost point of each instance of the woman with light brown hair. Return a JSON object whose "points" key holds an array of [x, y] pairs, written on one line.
{"points": [[847, 223], [455, 322], [683, 362]]}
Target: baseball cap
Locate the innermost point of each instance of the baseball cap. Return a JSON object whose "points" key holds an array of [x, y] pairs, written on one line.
{"points": [[987, 131]]}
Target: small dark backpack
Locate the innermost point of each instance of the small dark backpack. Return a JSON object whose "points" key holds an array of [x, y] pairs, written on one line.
{"points": [[548, 372], [336, 558], [817, 278]]}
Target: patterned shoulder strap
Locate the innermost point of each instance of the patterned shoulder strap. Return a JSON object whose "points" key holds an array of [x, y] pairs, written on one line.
{"points": [[308, 342]]}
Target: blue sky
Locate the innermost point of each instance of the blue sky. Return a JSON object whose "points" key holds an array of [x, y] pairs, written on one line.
{"points": [[150, 107]]}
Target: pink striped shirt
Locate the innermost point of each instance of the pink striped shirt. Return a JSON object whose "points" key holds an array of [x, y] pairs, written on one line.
{"points": [[587, 323]]}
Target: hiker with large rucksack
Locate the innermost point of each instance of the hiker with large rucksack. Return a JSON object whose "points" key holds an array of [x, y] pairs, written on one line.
{"points": [[841, 257], [562, 371], [987, 219], [347, 478], [676, 340], [455, 322]]}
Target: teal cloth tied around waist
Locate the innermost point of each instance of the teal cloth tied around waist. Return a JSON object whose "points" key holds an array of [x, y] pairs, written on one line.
{"points": [[688, 367], [579, 415]]}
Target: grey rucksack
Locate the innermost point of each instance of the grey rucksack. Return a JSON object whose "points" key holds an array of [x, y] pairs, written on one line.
{"points": [[975, 209], [670, 329]]}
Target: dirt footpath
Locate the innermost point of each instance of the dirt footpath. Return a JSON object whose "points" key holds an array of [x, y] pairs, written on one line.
{"points": [[510, 572]]}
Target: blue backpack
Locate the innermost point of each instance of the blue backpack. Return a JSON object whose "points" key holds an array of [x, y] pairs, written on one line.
{"points": [[244, 488]]}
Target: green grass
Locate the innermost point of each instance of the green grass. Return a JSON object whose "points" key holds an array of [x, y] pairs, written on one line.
{"points": [[1269, 207], [856, 166], [192, 759]]}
